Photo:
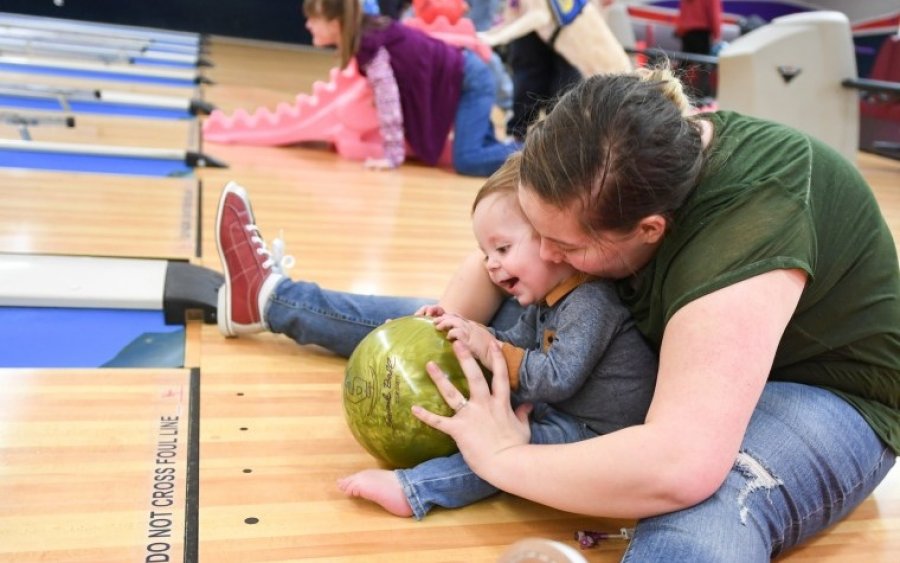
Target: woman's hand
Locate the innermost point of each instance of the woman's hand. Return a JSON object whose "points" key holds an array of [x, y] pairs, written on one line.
{"points": [[485, 424]]}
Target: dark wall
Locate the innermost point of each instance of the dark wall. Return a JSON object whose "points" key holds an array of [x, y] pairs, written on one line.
{"points": [[270, 20]]}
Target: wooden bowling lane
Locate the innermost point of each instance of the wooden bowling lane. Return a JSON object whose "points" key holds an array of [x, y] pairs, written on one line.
{"points": [[110, 131], [67, 82], [105, 130], [101, 31], [255, 74], [274, 443], [98, 465], [98, 215]]}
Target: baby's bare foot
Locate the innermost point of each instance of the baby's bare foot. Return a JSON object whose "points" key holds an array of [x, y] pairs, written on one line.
{"points": [[379, 486]]}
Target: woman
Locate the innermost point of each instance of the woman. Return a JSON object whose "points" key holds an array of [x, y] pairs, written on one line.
{"points": [[758, 263], [752, 257]]}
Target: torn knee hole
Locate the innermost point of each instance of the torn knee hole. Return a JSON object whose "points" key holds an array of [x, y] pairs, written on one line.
{"points": [[758, 479]]}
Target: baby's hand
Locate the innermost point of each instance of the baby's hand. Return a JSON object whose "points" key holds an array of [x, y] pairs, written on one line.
{"points": [[472, 334], [448, 321], [430, 311]]}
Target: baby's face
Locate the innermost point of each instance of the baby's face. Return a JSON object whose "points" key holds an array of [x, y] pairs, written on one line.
{"points": [[512, 250]]}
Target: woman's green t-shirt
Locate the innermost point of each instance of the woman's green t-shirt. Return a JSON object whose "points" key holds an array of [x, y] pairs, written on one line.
{"points": [[773, 198]]}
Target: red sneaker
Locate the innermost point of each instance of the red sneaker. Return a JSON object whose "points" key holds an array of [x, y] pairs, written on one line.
{"points": [[251, 273]]}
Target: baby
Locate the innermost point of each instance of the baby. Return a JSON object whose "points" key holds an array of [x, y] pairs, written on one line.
{"points": [[586, 374]]}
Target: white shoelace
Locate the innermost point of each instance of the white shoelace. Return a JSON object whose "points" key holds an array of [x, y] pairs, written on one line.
{"points": [[276, 259]]}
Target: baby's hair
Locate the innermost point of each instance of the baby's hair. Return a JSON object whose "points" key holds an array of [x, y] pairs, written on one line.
{"points": [[504, 180]]}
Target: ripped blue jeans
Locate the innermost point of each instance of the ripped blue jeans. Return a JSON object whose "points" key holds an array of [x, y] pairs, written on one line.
{"points": [[807, 460]]}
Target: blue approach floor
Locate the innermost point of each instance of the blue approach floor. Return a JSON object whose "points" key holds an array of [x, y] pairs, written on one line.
{"points": [[97, 163], [94, 107], [46, 337], [99, 74]]}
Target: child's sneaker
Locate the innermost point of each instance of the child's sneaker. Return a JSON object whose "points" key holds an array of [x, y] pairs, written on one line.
{"points": [[251, 272]]}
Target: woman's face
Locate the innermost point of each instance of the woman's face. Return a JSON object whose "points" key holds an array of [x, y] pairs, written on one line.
{"points": [[325, 33], [611, 255]]}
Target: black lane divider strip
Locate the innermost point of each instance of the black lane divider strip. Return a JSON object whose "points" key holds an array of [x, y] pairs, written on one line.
{"points": [[192, 479]]}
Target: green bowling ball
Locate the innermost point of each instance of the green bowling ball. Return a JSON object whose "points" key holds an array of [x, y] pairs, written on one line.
{"points": [[385, 377]]}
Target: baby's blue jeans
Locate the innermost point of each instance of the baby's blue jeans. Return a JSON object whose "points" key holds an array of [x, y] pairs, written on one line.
{"points": [[448, 481]]}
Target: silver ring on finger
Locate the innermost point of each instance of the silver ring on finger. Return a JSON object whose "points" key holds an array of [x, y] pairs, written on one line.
{"points": [[463, 403]]}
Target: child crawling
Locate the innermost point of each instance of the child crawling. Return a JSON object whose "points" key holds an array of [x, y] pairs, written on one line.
{"points": [[584, 374]]}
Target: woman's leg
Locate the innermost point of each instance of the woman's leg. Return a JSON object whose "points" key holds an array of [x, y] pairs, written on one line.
{"points": [[476, 150], [807, 460]]}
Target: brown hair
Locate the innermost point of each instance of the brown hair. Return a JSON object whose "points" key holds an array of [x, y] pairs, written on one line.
{"points": [[505, 179], [349, 12], [623, 146]]}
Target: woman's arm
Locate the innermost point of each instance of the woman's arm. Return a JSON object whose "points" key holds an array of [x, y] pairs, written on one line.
{"points": [[716, 356], [470, 292]]}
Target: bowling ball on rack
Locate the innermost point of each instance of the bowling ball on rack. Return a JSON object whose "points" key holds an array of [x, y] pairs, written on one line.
{"points": [[385, 377]]}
